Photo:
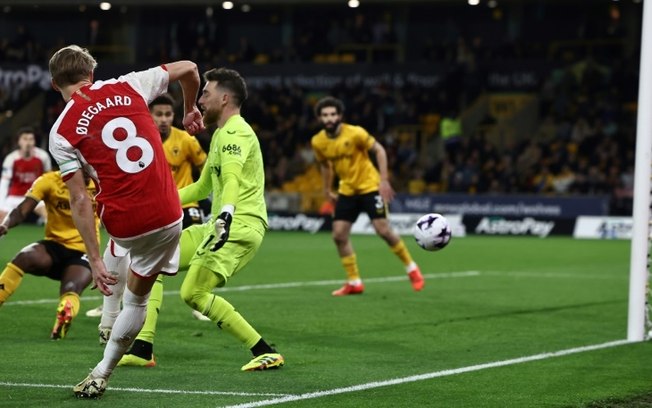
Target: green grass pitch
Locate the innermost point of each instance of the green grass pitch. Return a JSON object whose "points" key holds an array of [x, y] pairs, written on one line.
{"points": [[476, 336]]}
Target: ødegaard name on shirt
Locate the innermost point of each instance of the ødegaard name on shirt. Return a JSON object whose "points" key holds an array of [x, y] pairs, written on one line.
{"points": [[89, 113]]}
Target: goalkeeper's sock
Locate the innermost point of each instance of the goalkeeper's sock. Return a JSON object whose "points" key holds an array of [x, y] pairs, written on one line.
{"points": [[142, 349], [401, 251], [262, 348], [153, 307], [350, 265], [9, 281], [222, 312]]}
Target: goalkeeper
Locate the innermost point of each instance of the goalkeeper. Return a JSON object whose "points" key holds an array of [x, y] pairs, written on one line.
{"points": [[216, 250]]}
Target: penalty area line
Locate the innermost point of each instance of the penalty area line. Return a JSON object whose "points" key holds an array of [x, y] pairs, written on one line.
{"points": [[428, 376], [151, 391]]}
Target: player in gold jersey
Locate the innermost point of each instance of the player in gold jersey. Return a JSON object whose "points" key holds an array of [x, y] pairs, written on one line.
{"points": [[60, 256], [343, 149]]}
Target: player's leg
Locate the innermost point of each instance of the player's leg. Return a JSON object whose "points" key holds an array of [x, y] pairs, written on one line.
{"points": [[33, 259], [212, 269], [346, 212], [76, 277], [116, 260], [377, 212], [141, 352], [150, 254], [192, 216], [127, 325]]}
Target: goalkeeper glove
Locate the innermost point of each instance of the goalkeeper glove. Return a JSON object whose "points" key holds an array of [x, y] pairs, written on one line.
{"points": [[222, 226]]}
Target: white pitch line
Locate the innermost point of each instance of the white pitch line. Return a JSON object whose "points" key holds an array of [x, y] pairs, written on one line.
{"points": [[554, 275], [152, 391], [273, 286], [427, 376]]}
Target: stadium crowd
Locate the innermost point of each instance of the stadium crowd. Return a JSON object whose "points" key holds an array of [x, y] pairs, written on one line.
{"points": [[583, 144]]}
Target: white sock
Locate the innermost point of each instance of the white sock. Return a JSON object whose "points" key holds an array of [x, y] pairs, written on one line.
{"points": [[410, 267], [117, 265], [126, 327]]}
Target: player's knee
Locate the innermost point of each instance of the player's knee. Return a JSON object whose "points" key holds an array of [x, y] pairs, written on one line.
{"points": [[26, 261], [384, 231], [340, 238], [73, 286], [133, 300], [191, 296]]}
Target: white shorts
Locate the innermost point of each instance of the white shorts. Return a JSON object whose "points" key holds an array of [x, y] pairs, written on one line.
{"points": [[157, 252], [12, 202]]}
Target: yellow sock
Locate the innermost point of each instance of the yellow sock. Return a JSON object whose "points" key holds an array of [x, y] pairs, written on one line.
{"points": [[153, 307], [402, 252], [74, 301], [350, 265], [9, 280], [221, 311]]}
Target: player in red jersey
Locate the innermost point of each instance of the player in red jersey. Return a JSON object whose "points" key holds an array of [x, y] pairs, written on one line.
{"points": [[19, 170], [106, 131]]}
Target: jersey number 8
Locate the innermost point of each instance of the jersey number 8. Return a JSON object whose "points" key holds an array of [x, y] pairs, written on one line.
{"points": [[122, 146]]}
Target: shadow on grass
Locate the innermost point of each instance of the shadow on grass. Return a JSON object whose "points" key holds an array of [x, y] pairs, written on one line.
{"points": [[637, 401]]}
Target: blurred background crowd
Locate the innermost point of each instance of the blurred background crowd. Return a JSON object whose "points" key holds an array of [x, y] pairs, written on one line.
{"points": [[535, 97]]}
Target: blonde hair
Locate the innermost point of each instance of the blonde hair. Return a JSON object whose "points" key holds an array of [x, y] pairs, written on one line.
{"points": [[70, 65]]}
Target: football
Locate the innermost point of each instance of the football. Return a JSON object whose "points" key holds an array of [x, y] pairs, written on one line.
{"points": [[432, 232]]}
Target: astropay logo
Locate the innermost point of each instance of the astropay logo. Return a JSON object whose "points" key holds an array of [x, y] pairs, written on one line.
{"points": [[526, 226]]}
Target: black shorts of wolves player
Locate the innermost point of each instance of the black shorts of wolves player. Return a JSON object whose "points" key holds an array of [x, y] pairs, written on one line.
{"points": [[192, 215], [347, 208], [62, 257]]}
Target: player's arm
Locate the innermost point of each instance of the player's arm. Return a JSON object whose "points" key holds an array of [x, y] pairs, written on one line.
{"points": [[326, 170], [385, 189], [17, 215], [231, 173], [197, 190], [188, 76], [84, 219]]}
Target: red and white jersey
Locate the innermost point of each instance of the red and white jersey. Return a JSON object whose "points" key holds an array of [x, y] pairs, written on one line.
{"points": [[106, 130], [18, 172]]}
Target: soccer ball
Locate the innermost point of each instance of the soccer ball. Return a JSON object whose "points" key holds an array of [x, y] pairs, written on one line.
{"points": [[432, 232]]}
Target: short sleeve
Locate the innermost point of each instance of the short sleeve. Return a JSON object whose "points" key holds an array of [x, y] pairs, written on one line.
{"points": [[39, 189], [64, 154], [317, 150], [363, 138], [149, 83]]}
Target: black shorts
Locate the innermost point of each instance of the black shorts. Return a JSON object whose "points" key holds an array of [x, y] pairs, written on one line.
{"points": [[347, 208], [62, 257], [192, 215]]}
